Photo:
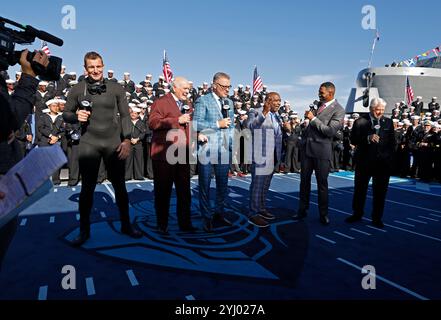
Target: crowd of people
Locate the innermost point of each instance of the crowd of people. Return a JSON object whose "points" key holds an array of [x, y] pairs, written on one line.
{"points": [[417, 130]]}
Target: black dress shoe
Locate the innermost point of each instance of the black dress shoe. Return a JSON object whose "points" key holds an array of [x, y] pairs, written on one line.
{"points": [[221, 221], [208, 226], [324, 220], [131, 232], [81, 239], [378, 224], [353, 219]]}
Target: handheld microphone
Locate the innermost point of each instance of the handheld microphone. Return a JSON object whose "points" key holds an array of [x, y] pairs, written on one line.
{"points": [[225, 109]]}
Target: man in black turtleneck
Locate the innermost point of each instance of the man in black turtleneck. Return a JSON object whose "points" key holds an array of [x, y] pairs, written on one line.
{"points": [[102, 138]]}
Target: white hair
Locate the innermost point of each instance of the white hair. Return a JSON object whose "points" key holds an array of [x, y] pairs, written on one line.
{"points": [[377, 101]]}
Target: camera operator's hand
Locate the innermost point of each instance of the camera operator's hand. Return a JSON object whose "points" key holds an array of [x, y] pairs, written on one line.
{"points": [[83, 115], [40, 57], [224, 123], [123, 150], [184, 119]]}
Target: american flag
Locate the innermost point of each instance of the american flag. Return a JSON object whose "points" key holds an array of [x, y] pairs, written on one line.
{"points": [[257, 82], [45, 48], [166, 69], [409, 92]]}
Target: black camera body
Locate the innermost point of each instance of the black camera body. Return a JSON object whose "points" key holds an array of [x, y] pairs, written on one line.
{"points": [[9, 57]]}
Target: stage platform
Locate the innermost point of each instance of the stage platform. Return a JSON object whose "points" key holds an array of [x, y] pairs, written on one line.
{"points": [[287, 261]]}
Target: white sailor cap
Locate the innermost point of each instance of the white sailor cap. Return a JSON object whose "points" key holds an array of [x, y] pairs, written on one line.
{"points": [[205, 84], [144, 98], [142, 105], [355, 115], [136, 101], [190, 82], [293, 116], [72, 73], [434, 98], [415, 117], [135, 109], [397, 104], [127, 73], [428, 123], [10, 81], [402, 102], [240, 86], [428, 114], [73, 82], [138, 86], [128, 94], [248, 86], [51, 101], [395, 120], [436, 111], [405, 113], [166, 90], [60, 100], [63, 67], [43, 83], [47, 110], [242, 112], [149, 76], [400, 123], [419, 97], [149, 101], [396, 110], [121, 82], [412, 107], [286, 102], [238, 103], [351, 120], [406, 121], [162, 77], [18, 73], [110, 71], [166, 85]]}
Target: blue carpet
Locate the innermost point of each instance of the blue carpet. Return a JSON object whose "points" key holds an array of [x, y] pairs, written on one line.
{"points": [[290, 260]]}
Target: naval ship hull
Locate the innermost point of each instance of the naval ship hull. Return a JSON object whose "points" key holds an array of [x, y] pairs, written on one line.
{"points": [[389, 83]]}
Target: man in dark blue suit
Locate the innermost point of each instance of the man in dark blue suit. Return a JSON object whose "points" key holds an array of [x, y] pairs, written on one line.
{"points": [[266, 128], [374, 138], [214, 122]]}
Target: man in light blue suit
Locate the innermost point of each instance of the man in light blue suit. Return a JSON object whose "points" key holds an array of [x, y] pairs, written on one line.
{"points": [[213, 119], [266, 128]]}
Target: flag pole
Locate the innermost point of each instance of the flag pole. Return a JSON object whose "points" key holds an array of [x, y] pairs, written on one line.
{"points": [[373, 48]]}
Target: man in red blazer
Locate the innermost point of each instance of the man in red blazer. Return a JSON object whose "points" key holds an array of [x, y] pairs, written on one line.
{"points": [[170, 121]]}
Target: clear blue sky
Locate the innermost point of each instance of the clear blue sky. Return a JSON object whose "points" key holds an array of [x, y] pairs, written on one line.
{"points": [[296, 45]]}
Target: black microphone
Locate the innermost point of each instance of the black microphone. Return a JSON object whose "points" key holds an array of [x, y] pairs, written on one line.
{"points": [[225, 108], [44, 36]]}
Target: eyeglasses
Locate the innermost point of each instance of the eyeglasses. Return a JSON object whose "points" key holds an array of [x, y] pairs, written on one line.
{"points": [[224, 87]]}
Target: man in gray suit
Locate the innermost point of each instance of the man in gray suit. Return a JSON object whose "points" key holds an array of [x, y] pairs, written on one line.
{"points": [[316, 150]]}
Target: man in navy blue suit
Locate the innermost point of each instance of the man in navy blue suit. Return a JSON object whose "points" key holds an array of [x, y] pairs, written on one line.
{"points": [[214, 121]]}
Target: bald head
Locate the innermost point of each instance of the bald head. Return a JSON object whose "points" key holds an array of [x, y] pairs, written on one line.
{"points": [[181, 88]]}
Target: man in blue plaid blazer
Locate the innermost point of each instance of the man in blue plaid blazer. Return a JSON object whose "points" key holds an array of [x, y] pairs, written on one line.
{"points": [[266, 128], [213, 119]]}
